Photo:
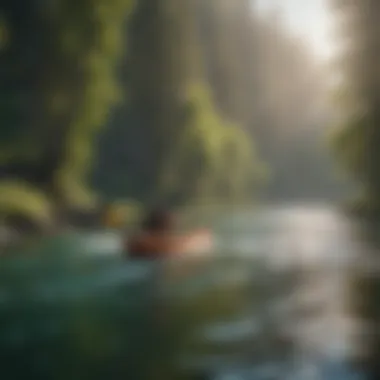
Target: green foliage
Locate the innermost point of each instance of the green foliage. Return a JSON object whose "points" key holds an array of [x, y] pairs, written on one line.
{"points": [[18, 198], [55, 103], [94, 40], [349, 145], [76, 194], [122, 213], [259, 75], [356, 142], [169, 131], [213, 159], [171, 142]]}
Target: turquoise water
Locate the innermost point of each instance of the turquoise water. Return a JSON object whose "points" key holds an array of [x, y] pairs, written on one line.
{"points": [[287, 267]]}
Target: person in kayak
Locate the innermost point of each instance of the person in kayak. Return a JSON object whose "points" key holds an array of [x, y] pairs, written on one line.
{"points": [[158, 238]]}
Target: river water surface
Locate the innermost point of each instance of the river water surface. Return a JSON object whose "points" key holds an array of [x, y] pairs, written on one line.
{"points": [[318, 243]]}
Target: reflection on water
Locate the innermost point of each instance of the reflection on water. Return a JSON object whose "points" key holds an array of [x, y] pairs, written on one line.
{"points": [[365, 301], [273, 304], [319, 243]]}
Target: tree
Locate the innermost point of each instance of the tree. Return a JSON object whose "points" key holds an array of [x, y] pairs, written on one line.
{"points": [[357, 145], [214, 160], [356, 142], [170, 125], [60, 66], [259, 74]]}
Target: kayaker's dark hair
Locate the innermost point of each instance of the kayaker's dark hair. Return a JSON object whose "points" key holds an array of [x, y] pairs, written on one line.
{"points": [[158, 219]]}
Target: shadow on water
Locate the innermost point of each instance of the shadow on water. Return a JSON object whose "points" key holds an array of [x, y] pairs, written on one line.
{"points": [[275, 303]]}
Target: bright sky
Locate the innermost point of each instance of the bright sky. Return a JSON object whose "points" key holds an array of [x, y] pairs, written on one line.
{"points": [[309, 19]]}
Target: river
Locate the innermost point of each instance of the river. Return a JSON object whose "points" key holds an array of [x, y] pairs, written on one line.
{"points": [[318, 241], [294, 319]]}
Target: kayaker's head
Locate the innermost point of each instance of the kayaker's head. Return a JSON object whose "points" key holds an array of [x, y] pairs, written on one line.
{"points": [[158, 220]]}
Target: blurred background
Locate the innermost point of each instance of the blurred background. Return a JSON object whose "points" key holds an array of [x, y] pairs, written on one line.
{"points": [[257, 119]]}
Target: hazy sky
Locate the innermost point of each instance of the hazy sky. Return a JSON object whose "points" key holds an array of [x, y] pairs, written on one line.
{"points": [[308, 18]]}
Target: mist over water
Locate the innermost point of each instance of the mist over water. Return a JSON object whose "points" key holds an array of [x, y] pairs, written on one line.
{"points": [[316, 242]]}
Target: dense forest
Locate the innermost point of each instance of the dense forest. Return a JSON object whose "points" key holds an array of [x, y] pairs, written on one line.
{"points": [[355, 142], [184, 102], [190, 149], [256, 74], [356, 138], [58, 86], [156, 101]]}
